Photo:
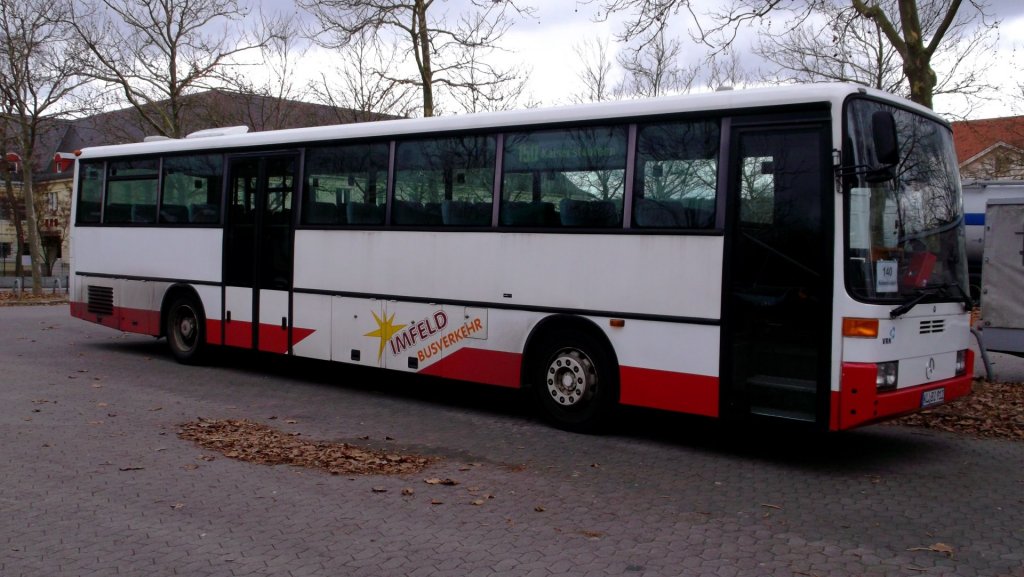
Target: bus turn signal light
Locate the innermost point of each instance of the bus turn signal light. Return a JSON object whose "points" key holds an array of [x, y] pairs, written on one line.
{"points": [[860, 328]]}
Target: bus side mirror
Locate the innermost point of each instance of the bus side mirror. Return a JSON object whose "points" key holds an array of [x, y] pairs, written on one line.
{"points": [[883, 129]]}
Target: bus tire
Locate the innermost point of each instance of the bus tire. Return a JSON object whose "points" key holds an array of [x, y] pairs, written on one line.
{"points": [[186, 330], [575, 381]]}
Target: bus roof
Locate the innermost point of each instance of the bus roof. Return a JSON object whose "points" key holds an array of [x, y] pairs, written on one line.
{"points": [[834, 93]]}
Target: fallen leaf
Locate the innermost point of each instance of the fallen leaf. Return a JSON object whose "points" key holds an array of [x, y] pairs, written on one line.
{"points": [[190, 466], [770, 506], [131, 468], [177, 506], [258, 443], [478, 502], [436, 502], [936, 548], [380, 490], [407, 492], [539, 509], [436, 481], [291, 421]]}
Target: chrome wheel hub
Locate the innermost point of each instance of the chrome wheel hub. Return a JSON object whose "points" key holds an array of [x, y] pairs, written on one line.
{"points": [[571, 378]]}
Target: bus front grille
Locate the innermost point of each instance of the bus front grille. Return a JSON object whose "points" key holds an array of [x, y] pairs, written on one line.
{"points": [[101, 300], [932, 326]]}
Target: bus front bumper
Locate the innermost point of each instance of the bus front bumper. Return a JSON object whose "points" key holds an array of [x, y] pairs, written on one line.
{"points": [[859, 402]]}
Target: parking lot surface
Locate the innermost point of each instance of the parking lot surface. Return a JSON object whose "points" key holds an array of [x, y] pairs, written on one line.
{"points": [[95, 480]]}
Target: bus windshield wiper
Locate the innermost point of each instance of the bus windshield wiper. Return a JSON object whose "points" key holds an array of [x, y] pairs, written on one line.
{"points": [[923, 293]]}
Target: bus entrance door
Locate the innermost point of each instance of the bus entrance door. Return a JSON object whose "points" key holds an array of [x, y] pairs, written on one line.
{"points": [[258, 252], [777, 274]]}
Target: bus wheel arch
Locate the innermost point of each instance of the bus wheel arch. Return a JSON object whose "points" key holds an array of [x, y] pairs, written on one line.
{"points": [[570, 368], [183, 322]]}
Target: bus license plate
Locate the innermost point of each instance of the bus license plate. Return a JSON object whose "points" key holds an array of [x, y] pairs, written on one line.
{"points": [[933, 397]]}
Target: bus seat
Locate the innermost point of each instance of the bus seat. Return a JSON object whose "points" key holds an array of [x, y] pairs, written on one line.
{"points": [[175, 213], [89, 211], [321, 213], [144, 213], [364, 213], [414, 213], [702, 212], [594, 213], [117, 212], [461, 213], [659, 213], [536, 213], [204, 213]]}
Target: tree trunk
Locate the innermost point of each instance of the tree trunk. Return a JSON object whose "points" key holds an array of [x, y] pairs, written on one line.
{"points": [[19, 232], [35, 248], [426, 72]]}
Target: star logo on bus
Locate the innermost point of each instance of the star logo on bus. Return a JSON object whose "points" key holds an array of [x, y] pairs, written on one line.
{"points": [[385, 330]]}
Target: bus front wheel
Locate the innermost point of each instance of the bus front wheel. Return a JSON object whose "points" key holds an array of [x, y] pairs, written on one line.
{"points": [[186, 330], [575, 381]]}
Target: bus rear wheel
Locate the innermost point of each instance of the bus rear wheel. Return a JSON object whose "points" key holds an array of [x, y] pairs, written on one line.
{"points": [[575, 382], [186, 330]]}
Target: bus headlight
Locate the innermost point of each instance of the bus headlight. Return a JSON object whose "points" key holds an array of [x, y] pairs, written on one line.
{"points": [[961, 363], [886, 378]]}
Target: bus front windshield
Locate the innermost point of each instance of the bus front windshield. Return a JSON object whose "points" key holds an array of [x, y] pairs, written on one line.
{"points": [[905, 235]]}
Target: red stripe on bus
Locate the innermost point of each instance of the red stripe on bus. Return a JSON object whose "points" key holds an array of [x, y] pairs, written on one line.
{"points": [[479, 365], [273, 339], [680, 392], [858, 401], [141, 321], [213, 332]]}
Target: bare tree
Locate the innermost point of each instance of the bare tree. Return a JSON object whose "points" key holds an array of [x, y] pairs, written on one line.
{"points": [[652, 68], [479, 85], [850, 47], [900, 22], [725, 71], [595, 71], [157, 52], [355, 85], [40, 76], [429, 37], [279, 57]]}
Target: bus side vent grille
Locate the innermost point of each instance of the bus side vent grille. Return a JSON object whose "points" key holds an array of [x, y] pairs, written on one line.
{"points": [[101, 300], [933, 326]]}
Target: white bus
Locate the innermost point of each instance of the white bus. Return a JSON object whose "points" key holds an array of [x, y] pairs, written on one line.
{"points": [[792, 252]]}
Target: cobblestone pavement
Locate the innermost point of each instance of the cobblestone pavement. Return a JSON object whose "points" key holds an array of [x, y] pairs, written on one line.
{"points": [[95, 481]]}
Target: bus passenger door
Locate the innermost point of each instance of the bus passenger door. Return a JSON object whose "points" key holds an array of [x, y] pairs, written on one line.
{"points": [[777, 279], [258, 252]]}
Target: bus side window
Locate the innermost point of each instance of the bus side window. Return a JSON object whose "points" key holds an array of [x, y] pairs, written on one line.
{"points": [[342, 184], [676, 175], [131, 191], [90, 192], [444, 181], [191, 189], [571, 177]]}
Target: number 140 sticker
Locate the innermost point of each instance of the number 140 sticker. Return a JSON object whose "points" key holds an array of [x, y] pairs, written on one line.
{"points": [[885, 277]]}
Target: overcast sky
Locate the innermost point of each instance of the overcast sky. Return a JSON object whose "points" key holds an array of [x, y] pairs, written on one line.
{"points": [[545, 46]]}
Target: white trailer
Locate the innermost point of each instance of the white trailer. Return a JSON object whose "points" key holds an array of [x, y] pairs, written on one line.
{"points": [[1002, 284]]}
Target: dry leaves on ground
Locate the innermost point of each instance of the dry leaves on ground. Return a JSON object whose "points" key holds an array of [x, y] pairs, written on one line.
{"points": [[11, 298], [256, 443], [992, 410]]}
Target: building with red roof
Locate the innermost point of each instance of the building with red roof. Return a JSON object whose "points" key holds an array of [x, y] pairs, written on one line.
{"points": [[990, 149]]}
